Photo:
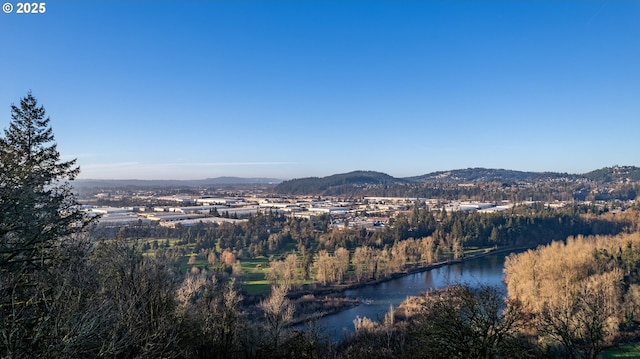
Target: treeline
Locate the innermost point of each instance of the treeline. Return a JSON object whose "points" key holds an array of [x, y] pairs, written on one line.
{"points": [[521, 226], [327, 256], [489, 191], [564, 300], [347, 258], [507, 190], [271, 233], [335, 185]]}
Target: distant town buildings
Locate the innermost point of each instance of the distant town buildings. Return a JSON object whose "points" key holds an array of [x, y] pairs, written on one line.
{"points": [[370, 213]]}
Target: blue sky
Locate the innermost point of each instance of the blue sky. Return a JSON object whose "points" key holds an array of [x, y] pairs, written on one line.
{"points": [[285, 89]]}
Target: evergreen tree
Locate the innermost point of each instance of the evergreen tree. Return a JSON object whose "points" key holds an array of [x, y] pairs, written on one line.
{"points": [[38, 212], [38, 206]]}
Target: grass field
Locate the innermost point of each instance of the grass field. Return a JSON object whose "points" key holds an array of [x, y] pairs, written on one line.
{"points": [[624, 351], [255, 270]]}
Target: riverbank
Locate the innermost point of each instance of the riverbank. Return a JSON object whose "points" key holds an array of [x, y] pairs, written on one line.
{"points": [[313, 302], [315, 289]]}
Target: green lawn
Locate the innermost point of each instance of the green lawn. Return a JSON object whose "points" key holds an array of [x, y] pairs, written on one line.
{"points": [[476, 250], [257, 287], [624, 351], [254, 269], [254, 280]]}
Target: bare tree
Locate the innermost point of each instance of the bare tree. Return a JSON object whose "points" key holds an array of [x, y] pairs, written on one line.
{"points": [[276, 273], [573, 293], [325, 267], [278, 311], [364, 262], [584, 320], [465, 322], [291, 268], [427, 249], [215, 321], [342, 263], [138, 296]]}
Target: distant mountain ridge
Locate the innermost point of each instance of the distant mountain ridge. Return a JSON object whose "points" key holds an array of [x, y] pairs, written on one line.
{"points": [[85, 183], [346, 182], [487, 174]]}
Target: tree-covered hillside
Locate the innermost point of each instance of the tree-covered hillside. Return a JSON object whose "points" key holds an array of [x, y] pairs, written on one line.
{"points": [[487, 174], [338, 184], [480, 184], [614, 174]]}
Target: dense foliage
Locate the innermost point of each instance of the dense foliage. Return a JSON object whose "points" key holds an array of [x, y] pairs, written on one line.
{"points": [[272, 233], [479, 184], [581, 294], [339, 184], [489, 175], [615, 174]]}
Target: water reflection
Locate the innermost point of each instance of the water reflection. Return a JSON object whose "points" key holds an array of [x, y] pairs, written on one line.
{"points": [[376, 299]]}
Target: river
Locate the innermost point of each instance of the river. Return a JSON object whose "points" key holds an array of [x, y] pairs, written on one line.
{"points": [[377, 298]]}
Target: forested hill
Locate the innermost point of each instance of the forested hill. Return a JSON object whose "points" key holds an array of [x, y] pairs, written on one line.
{"points": [[336, 184], [615, 174], [602, 175], [354, 182], [488, 174], [376, 183]]}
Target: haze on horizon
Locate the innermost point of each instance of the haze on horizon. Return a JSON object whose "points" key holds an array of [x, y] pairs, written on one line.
{"points": [[193, 90]]}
